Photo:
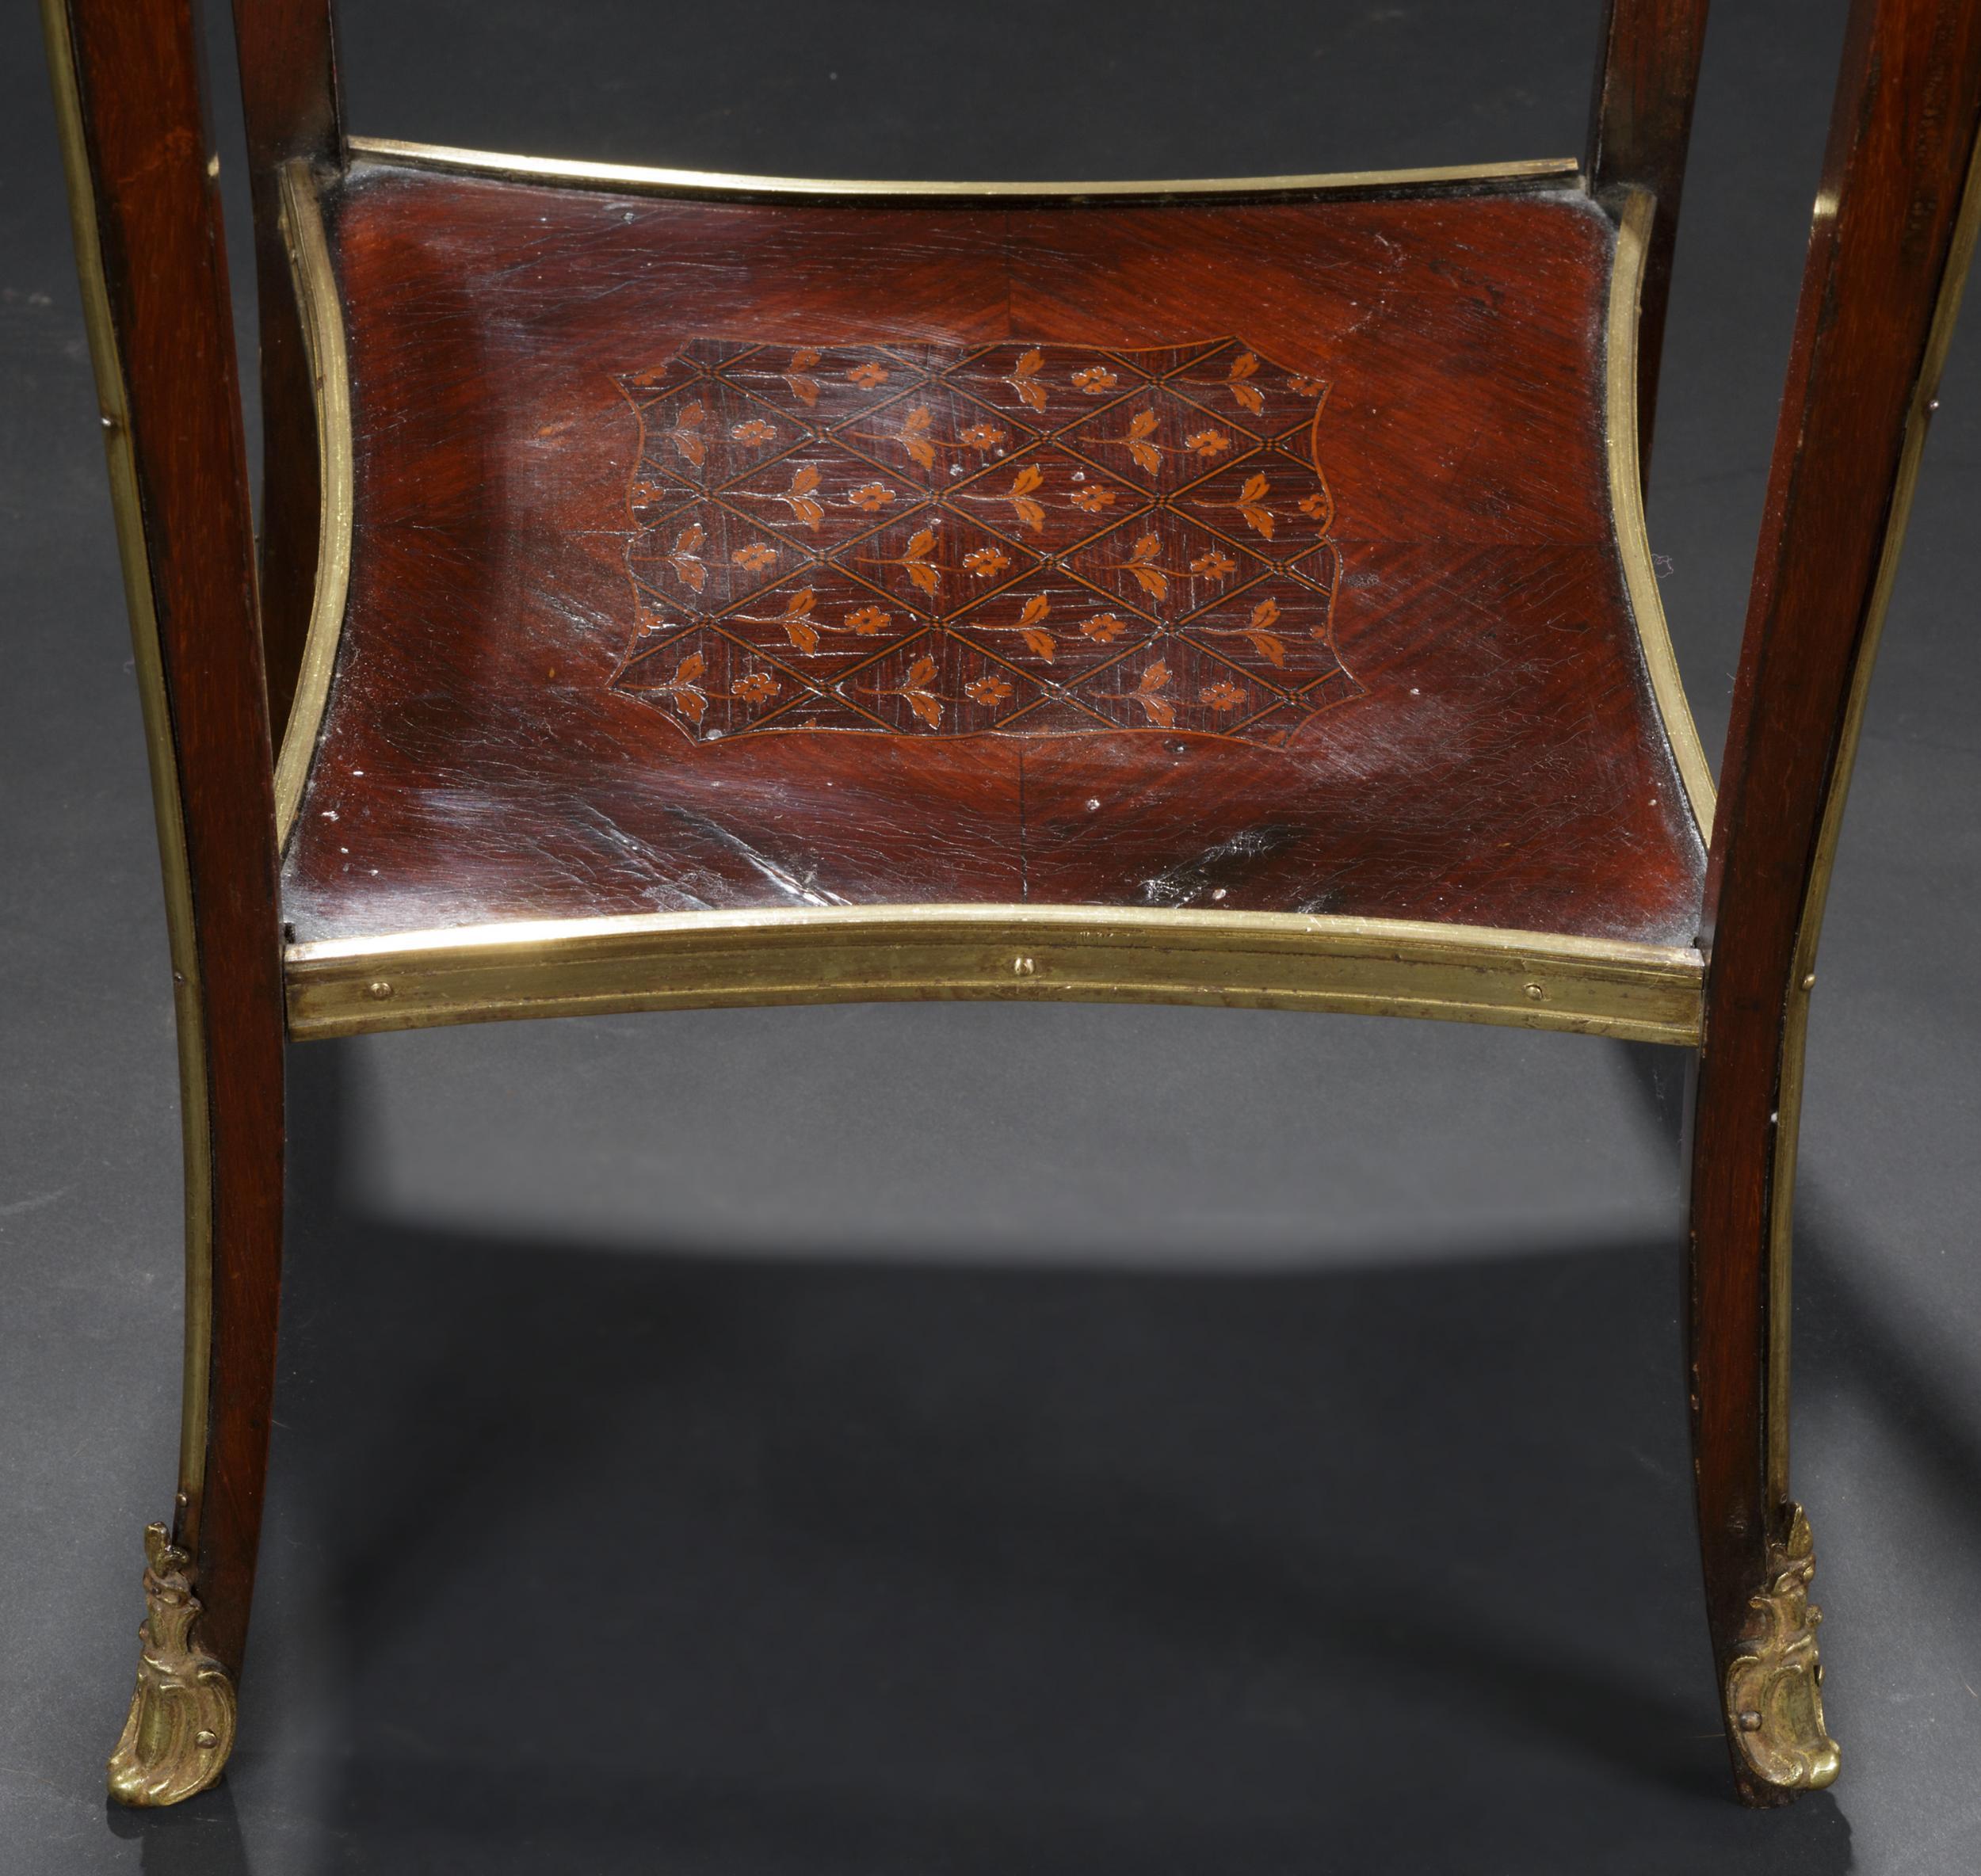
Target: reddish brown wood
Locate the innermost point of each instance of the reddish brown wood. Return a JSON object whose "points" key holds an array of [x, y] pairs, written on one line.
{"points": [[287, 54], [158, 216], [1640, 126], [485, 759], [1025, 540], [1907, 110]]}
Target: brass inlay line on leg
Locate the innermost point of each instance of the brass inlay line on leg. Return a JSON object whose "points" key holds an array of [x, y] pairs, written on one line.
{"points": [[1803, 974], [187, 995]]}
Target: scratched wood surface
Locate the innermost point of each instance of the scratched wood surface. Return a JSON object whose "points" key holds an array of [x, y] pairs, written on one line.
{"points": [[1498, 762]]}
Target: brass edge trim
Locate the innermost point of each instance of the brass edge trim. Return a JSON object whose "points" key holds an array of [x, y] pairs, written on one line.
{"points": [[1483, 941], [316, 286], [1627, 508], [630, 178], [1809, 933], [168, 807], [1378, 967]]}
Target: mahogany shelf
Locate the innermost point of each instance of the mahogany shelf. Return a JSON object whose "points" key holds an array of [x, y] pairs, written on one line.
{"points": [[579, 674]]}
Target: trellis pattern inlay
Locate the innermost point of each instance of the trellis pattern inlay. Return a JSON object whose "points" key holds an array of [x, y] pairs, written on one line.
{"points": [[1037, 540]]}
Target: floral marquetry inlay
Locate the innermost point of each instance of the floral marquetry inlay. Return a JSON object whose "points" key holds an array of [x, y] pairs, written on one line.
{"points": [[1022, 539]]}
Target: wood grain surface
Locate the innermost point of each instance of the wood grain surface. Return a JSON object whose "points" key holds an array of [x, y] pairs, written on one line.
{"points": [[167, 381], [1019, 540], [1859, 396], [287, 51], [1639, 132], [1503, 766]]}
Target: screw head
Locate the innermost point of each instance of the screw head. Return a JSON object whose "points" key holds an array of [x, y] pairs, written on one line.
{"points": [[1751, 1721], [1536, 993], [379, 991], [206, 1739]]}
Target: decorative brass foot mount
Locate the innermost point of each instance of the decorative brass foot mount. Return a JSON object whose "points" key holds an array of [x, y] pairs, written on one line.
{"points": [[1774, 1684], [181, 1727]]}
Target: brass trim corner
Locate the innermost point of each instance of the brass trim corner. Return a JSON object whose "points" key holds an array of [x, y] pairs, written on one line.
{"points": [[1774, 1685], [315, 281], [180, 1729], [1626, 509], [634, 179]]}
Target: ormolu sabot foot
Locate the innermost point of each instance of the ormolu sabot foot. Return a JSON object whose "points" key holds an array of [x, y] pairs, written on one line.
{"points": [[181, 1727], [1774, 1686]]}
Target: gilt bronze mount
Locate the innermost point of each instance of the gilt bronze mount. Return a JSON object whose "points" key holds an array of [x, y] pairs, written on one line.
{"points": [[1774, 1687], [180, 1729]]}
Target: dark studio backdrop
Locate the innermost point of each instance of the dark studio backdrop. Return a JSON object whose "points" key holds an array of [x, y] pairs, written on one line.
{"points": [[1000, 1440]]}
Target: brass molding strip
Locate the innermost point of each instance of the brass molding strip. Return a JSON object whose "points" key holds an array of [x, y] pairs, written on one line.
{"points": [[1077, 953], [1803, 977], [1554, 172], [315, 284], [1627, 509], [168, 807]]}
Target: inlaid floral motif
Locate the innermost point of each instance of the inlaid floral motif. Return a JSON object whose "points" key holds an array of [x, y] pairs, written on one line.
{"points": [[1027, 539], [804, 388], [684, 689], [1024, 378]]}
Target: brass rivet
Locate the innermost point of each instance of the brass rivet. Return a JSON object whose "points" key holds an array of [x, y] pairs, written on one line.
{"points": [[1535, 993], [1809, 982], [1023, 967], [206, 1739], [379, 990], [1751, 1721]]}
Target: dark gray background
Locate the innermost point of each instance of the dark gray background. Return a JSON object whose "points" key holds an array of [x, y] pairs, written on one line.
{"points": [[892, 1440]]}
